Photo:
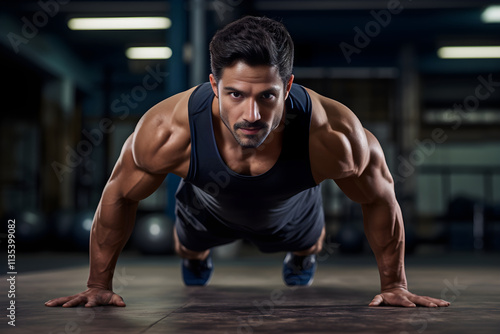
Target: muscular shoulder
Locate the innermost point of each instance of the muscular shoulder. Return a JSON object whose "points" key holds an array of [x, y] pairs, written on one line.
{"points": [[338, 143], [161, 140]]}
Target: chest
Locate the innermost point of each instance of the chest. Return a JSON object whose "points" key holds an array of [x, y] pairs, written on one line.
{"points": [[252, 166], [249, 162]]}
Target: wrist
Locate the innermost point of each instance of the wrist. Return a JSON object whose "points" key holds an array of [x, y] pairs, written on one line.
{"points": [[92, 285], [101, 283], [393, 286], [393, 279]]}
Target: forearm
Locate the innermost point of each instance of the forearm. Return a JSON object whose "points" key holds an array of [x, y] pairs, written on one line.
{"points": [[384, 230], [111, 229]]}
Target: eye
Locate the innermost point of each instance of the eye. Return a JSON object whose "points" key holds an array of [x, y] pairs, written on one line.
{"points": [[267, 96], [236, 95]]}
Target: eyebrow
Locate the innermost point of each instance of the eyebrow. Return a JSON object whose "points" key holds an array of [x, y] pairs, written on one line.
{"points": [[269, 90]]}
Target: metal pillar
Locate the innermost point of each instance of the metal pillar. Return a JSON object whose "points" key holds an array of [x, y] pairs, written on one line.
{"points": [[408, 125], [177, 36], [176, 80], [198, 42]]}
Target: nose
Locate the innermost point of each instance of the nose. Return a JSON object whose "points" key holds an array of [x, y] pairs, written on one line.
{"points": [[252, 113]]}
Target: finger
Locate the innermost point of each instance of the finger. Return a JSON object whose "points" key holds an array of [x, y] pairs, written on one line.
{"points": [[438, 302], [376, 301], [397, 300], [75, 301], [430, 302], [58, 301], [117, 301], [443, 303], [404, 301], [114, 300], [91, 303], [96, 300], [422, 301]]}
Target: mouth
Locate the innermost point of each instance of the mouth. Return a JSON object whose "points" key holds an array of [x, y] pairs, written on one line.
{"points": [[251, 131]]}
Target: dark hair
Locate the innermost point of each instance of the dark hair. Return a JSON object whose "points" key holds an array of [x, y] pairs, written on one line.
{"points": [[255, 41]]}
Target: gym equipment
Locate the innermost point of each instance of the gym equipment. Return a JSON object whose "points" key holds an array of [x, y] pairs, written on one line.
{"points": [[153, 234], [30, 229]]}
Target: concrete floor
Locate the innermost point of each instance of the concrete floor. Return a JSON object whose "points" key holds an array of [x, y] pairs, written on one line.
{"points": [[248, 296]]}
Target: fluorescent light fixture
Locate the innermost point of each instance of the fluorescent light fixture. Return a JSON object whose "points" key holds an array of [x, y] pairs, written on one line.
{"points": [[119, 23], [491, 14], [463, 52], [159, 52]]}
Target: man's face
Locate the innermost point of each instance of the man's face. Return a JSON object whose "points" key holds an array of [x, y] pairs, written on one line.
{"points": [[251, 101]]}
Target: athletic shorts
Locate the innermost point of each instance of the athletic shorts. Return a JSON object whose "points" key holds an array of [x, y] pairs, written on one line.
{"points": [[198, 230]]}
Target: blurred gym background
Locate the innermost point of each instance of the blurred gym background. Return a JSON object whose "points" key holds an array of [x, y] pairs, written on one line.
{"points": [[72, 93]]}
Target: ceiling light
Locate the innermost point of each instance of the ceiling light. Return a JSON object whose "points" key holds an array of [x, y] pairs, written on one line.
{"points": [[462, 52], [160, 52], [491, 14], [119, 23]]}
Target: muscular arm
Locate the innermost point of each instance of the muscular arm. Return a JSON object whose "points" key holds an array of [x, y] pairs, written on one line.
{"points": [[159, 145], [115, 215], [373, 188], [383, 223], [344, 151], [112, 226]]}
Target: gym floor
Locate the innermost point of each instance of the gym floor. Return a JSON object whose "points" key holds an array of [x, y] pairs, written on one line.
{"points": [[247, 296]]}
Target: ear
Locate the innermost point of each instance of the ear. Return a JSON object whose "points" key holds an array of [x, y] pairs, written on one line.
{"points": [[213, 83], [289, 86]]}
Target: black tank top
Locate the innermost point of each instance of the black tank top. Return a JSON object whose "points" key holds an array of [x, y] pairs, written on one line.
{"points": [[264, 202]]}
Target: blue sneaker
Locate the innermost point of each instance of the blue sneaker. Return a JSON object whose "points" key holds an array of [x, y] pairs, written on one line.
{"points": [[299, 270], [197, 272]]}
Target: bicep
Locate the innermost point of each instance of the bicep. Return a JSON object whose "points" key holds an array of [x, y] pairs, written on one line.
{"points": [[128, 181], [339, 145], [374, 183]]}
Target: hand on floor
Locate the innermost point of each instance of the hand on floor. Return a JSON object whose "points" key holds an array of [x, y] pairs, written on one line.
{"points": [[89, 298], [403, 297]]}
